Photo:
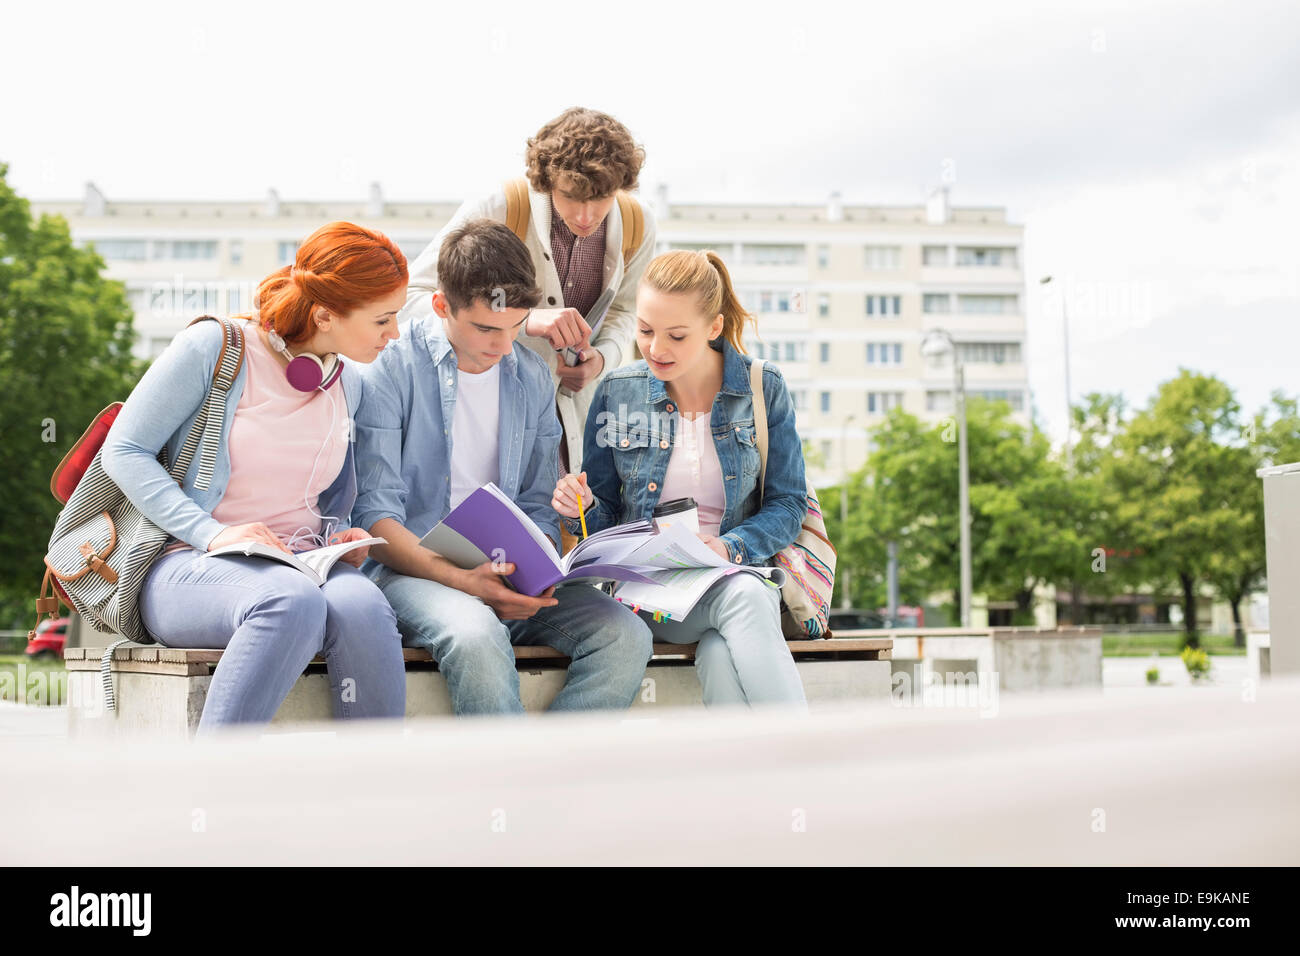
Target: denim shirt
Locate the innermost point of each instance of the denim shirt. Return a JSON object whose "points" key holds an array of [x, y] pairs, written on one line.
{"points": [[161, 410], [404, 440], [629, 439]]}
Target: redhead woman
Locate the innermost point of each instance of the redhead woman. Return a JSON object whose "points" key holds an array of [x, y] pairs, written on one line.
{"points": [[693, 388], [284, 476]]}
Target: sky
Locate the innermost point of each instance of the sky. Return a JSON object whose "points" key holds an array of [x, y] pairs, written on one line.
{"points": [[1150, 149]]}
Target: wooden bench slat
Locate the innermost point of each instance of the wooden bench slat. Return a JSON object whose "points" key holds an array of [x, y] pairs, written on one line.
{"points": [[158, 659]]}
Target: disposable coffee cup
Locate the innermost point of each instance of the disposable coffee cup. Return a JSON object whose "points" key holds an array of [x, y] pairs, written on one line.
{"points": [[678, 511]]}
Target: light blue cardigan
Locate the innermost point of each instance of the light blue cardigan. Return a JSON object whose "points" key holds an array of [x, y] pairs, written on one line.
{"points": [[161, 410]]}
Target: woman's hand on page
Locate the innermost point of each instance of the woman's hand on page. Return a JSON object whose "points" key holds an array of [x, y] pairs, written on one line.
{"points": [[248, 532], [357, 556], [567, 489], [487, 584], [716, 546]]}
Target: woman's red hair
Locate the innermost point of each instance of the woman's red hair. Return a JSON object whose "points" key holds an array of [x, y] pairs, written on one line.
{"points": [[341, 266]]}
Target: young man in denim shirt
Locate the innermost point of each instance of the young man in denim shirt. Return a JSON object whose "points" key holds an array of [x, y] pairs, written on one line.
{"points": [[455, 403]]}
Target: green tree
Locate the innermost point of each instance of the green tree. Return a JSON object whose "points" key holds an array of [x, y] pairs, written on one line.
{"points": [[1023, 510], [1179, 465], [1238, 568], [65, 353]]}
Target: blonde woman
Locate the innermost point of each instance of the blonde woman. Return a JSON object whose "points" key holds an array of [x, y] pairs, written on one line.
{"points": [[680, 424]]}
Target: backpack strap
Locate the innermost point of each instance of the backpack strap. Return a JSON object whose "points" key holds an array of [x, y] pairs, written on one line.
{"points": [[518, 208], [519, 211], [207, 426], [633, 224], [760, 417]]}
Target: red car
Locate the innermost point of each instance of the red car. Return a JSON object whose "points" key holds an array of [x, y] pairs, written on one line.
{"points": [[51, 635]]}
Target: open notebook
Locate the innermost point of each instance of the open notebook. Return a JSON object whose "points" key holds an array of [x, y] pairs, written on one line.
{"points": [[488, 526], [315, 564], [684, 568]]}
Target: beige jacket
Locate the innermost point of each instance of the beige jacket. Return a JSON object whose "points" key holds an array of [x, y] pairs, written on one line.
{"points": [[616, 334]]}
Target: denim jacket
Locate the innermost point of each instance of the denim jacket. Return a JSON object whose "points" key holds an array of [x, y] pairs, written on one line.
{"points": [[629, 439], [160, 411], [404, 444]]}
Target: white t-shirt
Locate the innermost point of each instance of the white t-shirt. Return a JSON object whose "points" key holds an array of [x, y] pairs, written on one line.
{"points": [[475, 437], [695, 472]]}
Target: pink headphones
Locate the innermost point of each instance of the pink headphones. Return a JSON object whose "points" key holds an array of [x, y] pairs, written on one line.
{"points": [[306, 372]]}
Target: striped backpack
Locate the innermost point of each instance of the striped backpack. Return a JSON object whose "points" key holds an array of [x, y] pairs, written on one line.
{"points": [[102, 546], [809, 563]]}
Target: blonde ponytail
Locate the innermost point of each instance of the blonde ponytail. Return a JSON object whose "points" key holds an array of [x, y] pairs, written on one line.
{"points": [[705, 276]]}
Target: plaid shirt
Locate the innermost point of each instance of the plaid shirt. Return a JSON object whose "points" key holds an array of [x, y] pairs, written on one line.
{"points": [[580, 263]]}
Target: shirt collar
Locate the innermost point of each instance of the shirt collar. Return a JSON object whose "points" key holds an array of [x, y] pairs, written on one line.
{"points": [[439, 347], [735, 374]]}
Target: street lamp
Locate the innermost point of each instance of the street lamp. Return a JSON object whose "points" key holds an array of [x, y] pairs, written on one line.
{"points": [[1069, 415], [939, 342], [844, 501]]}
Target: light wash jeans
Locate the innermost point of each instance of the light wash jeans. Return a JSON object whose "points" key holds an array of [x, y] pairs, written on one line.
{"points": [[607, 644], [742, 656], [272, 620]]}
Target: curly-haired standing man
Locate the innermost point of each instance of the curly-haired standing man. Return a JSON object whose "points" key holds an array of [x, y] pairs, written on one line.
{"points": [[587, 243]]}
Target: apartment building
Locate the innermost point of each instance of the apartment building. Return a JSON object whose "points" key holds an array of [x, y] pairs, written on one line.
{"points": [[843, 294]]}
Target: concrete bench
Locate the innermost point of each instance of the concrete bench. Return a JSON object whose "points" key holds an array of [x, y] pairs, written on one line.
{"points": [[1011, 658], [162, 690]]}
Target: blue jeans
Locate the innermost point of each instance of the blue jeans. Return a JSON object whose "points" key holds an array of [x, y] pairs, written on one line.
{"points": [[742, 656], [607, 644], [272, 620]]}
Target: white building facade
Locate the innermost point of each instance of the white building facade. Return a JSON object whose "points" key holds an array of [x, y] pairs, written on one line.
{"points": [[843, 294]]}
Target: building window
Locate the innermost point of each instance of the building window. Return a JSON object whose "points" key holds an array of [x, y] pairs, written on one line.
{"points": [[826, 452], [883, 258], [880, 403], [823, 305], [771, 254], [826, 401], [123, 250], [989, 353], [987, 256], [988, 304], [825, 349], [287, 252], [236, 252], [761, 301], [934, 255], [938, 401], [1013, 397], [884, 305], [823, 257], [884, 353], [936, 303], [799, 397], [184, 250]]}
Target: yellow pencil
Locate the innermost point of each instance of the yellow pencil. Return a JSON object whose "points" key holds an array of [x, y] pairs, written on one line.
{"points": [[582, 516]]}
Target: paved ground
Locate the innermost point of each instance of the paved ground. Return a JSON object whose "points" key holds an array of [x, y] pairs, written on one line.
{"points": [[1165, 776]]}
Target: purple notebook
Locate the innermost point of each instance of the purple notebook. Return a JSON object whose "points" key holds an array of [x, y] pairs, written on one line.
{"points": [[488, 526]]}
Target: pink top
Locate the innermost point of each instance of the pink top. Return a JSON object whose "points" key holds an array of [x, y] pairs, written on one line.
{"points": [[695, 472], [277, 435]]}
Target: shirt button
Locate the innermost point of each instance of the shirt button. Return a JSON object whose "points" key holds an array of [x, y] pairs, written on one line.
{"points": [[652, 486], [737, 559], [670, 406], [737, 429], [546, 256], [663, 443], [550, 300], [623, 443]]}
